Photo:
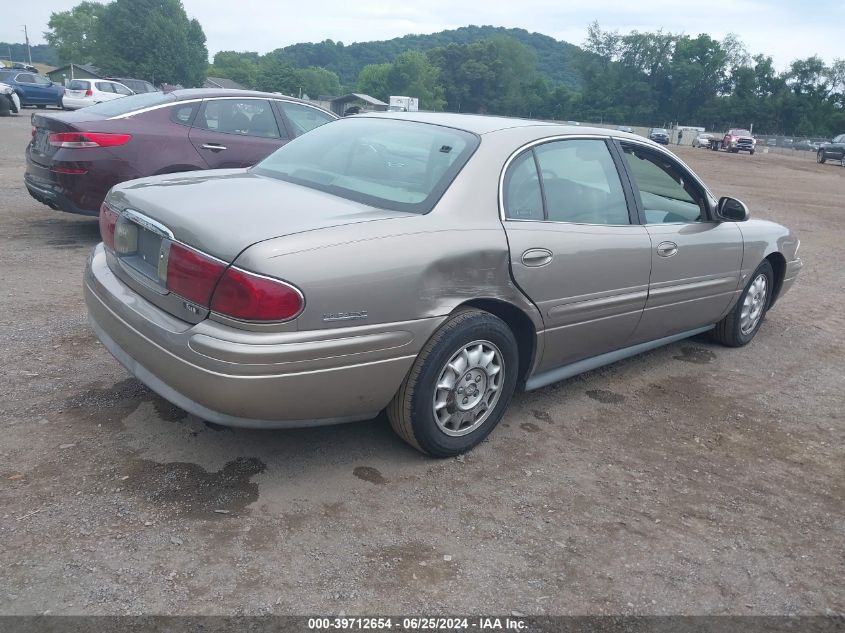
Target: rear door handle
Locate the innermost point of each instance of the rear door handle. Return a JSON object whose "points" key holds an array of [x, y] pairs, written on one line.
{"points": [[214, 147], [667, 249], [535, 257]]}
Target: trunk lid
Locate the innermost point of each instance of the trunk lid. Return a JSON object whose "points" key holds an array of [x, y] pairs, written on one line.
{"points": [[43, 125], [220, 214]]}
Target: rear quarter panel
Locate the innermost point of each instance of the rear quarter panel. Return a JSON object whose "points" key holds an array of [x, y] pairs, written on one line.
{"points": [[406, 268], [158, 145]]}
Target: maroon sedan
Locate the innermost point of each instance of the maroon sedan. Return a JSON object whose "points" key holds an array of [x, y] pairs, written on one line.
{"points": [[74, 158]]}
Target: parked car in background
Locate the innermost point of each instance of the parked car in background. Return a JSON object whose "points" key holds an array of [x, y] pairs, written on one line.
{"points": [[835, 150], [81, 93], [806, 145], [22, 66], [10, 103], [398, 262], [739, 140], [625, 128], [138, 86], [74, 158], [33, 89], [702, 140], [659, 135], [771, 142]]}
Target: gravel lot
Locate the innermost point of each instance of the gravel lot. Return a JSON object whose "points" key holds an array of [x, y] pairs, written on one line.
{"points": [[694, 479]]}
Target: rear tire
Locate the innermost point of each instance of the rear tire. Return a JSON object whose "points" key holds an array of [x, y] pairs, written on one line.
{"points": [[820, 159], [459, 386], [842, 160], [745, 318], [5, 105]]}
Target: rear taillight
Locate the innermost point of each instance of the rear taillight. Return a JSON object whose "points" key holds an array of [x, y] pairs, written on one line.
{"points": [[89, 93], [77, 140], [108, 221], [250, 297], [191, 274]]}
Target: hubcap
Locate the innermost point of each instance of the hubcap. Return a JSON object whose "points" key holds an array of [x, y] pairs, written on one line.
{"points": [[753, 304], [468, 388]]}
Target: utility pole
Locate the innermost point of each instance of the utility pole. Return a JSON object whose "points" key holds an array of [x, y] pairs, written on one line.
{"points": [[28, 49]]}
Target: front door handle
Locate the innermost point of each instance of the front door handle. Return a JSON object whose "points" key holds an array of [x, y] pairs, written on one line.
{"points": [[667, 249], [535, 257], [214, 147]]}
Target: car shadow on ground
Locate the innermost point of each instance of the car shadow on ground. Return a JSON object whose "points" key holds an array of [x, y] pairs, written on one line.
{"points": [[65, 232]]}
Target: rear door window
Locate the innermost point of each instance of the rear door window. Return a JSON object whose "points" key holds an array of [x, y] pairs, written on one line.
{"points": [[25, 78], [580, 183], [104, 86], [246, 117], [121, 89]]}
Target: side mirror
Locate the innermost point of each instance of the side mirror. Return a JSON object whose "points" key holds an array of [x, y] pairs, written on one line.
{"points": [[731, 210]]}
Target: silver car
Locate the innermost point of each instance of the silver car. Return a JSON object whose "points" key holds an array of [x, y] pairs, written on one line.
{"points": [[426, 264]]}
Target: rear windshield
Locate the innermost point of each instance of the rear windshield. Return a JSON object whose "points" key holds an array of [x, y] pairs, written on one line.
{"points": [[78, 84], [130, 104], [396, 165]]}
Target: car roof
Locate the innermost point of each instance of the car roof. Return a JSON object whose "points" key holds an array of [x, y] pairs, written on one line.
{"points": [[476, 123], [209, 93]]}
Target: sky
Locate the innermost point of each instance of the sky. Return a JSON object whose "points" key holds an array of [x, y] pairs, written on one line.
{"points": [[783, 29]]}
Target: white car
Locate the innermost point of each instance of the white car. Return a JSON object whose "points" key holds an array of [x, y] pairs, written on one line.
{"points": [[10, 103], [80, 93]]}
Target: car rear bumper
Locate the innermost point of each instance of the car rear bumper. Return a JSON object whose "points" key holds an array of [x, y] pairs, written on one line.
{"points": [[75, 103], [76, 193], [53, 195], [252, 379]]}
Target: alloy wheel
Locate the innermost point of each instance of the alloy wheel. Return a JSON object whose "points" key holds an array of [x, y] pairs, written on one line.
{"points": [[753, 304], [468, 388]]}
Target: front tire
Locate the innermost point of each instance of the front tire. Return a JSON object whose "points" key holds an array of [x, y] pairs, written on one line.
{"points": [[745, 318], [5, 105], [820, 157], [459, 386]]}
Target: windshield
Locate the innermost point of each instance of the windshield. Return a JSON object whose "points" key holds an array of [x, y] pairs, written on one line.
{"points": [[396, 165], [129, 104], [740, 133]]}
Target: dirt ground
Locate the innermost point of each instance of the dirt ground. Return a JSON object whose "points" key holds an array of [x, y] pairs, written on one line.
{"points": [[694, 479]]}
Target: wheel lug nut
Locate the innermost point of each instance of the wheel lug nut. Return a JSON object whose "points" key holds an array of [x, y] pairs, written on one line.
{"points": [[478, 379], [460, 389], [466, 400]]}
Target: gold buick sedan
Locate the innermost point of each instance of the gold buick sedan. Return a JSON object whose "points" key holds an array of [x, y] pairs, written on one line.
{"points": [[426, 264]]}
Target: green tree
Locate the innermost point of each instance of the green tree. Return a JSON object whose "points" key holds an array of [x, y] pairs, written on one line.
{"points": [[275, 74], [490, 76], [151, 39], [373, 80], [240, 67], [316, 82], [71, 33], [413, 75]]}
